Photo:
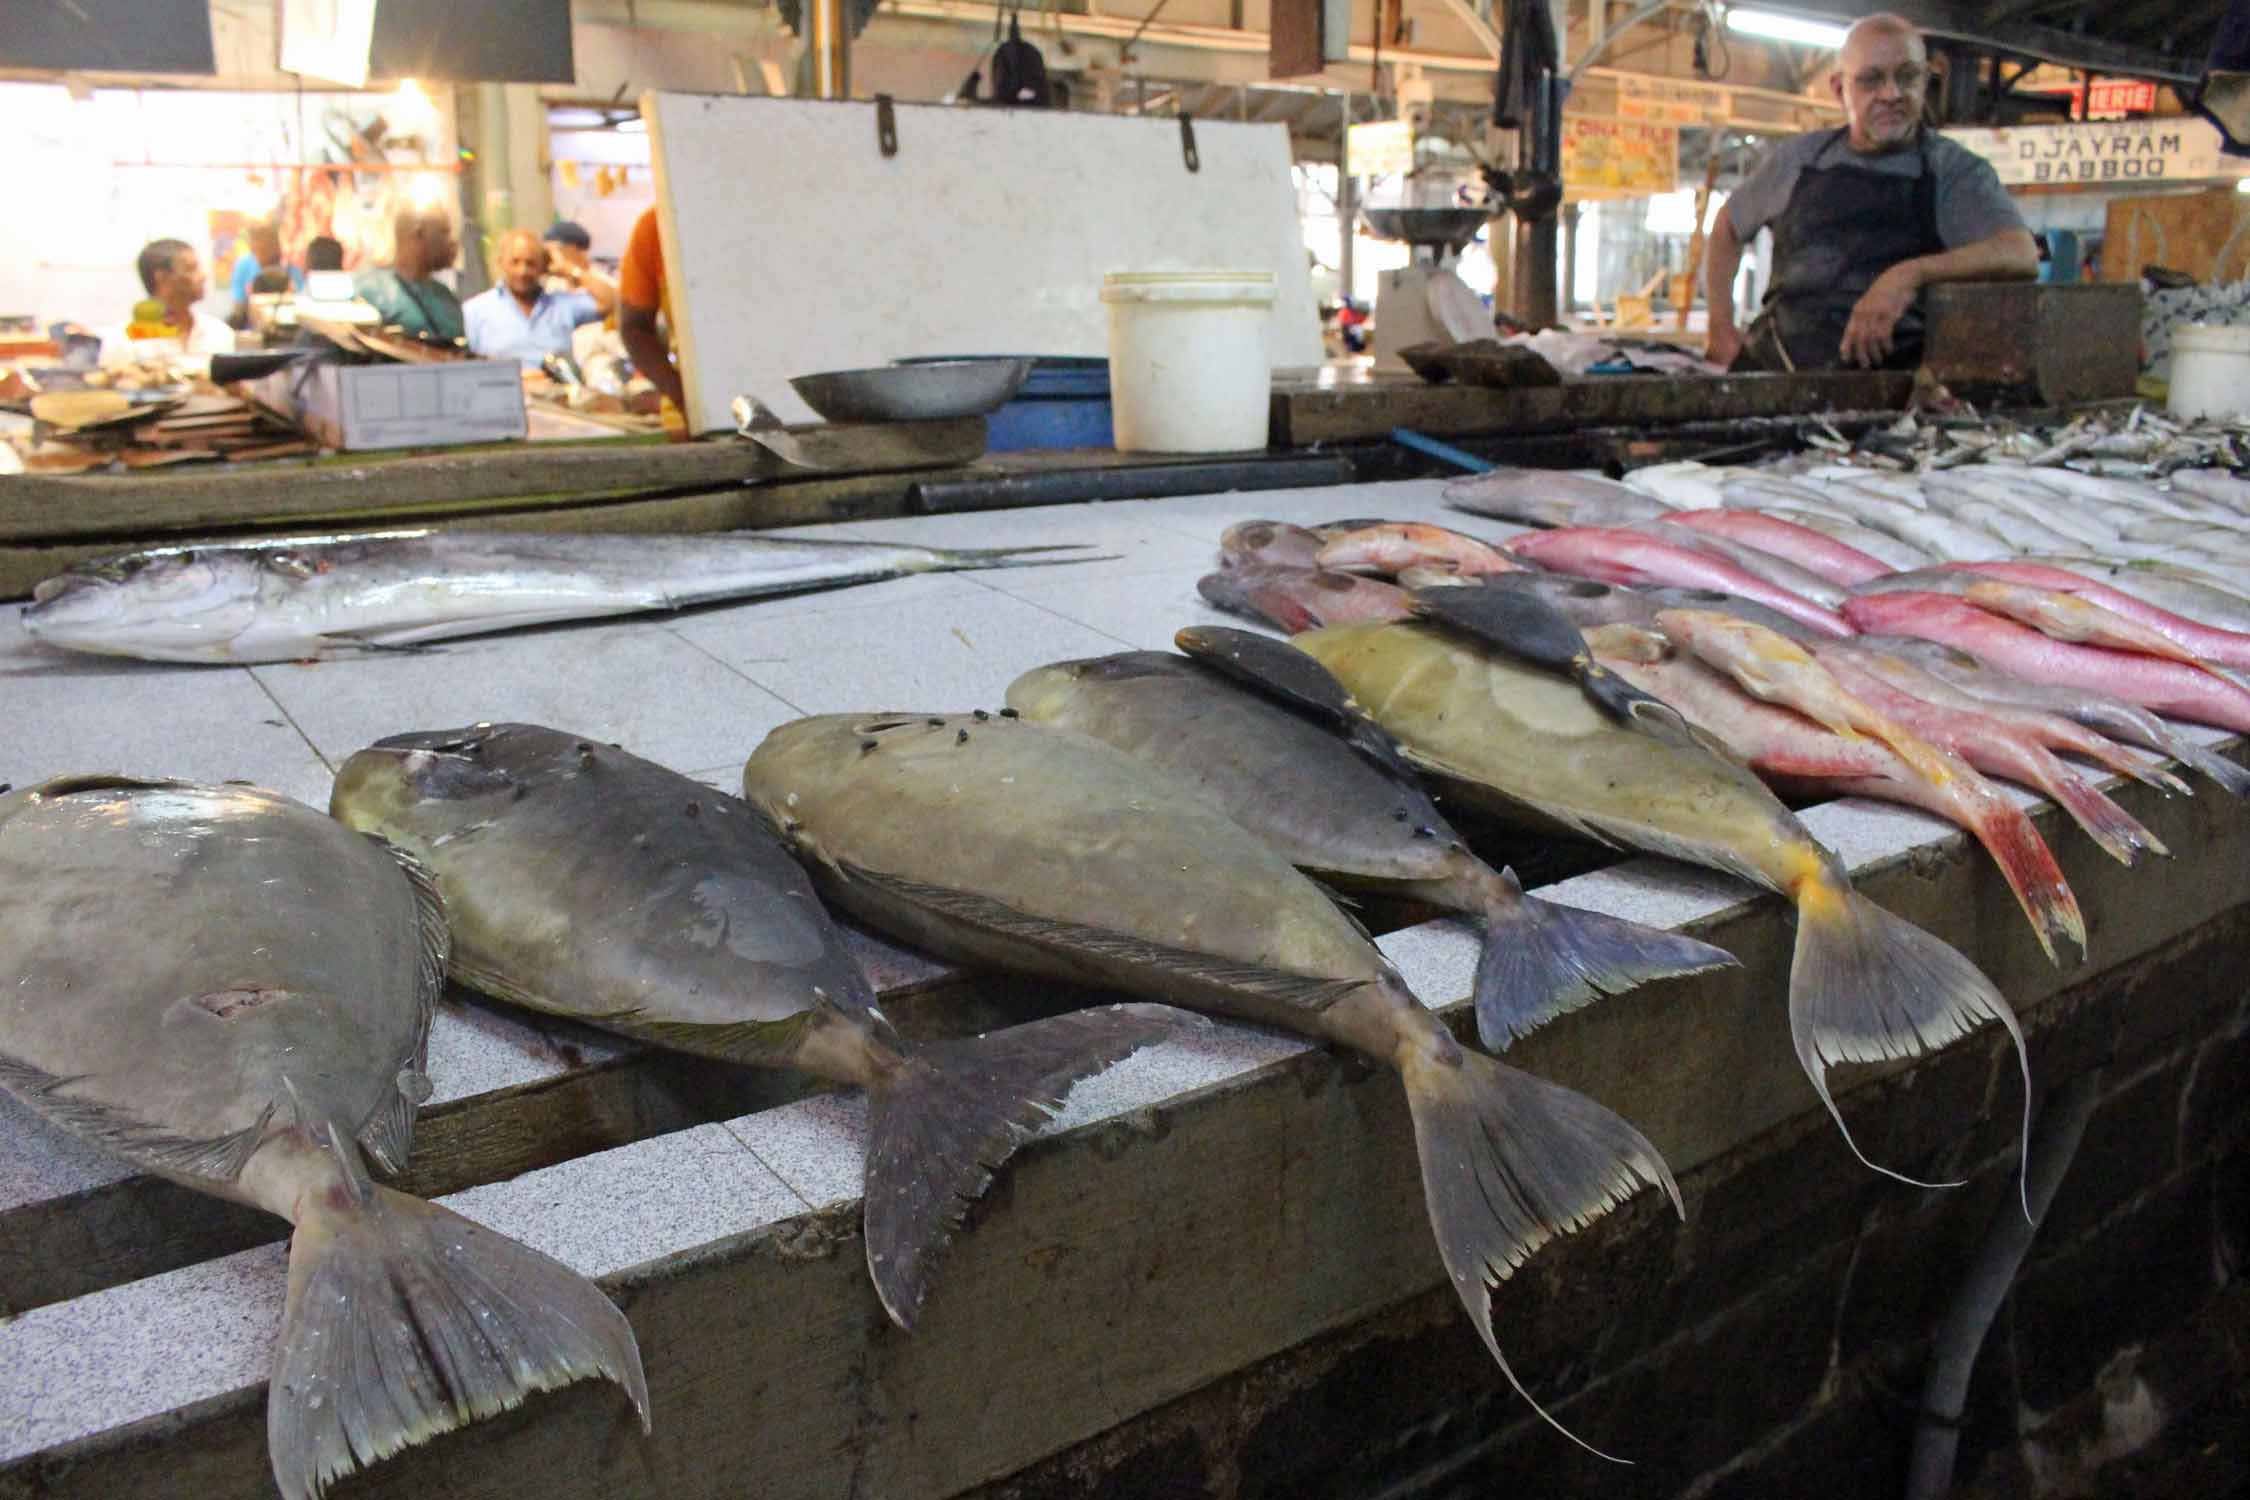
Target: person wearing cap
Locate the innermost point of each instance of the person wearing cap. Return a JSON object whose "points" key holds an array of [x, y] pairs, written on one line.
{"points": [[1863, 217], [570, 261]]}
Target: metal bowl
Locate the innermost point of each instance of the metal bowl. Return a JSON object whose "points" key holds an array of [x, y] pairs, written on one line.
{"points": [[930, 391]]}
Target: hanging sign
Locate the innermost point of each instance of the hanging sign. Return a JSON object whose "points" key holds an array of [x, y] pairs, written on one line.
{"points": [[1381, 147], [2127, 151], [1658, 103], [1618, 158]]}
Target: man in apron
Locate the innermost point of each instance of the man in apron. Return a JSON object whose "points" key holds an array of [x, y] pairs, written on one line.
{"points": [[1863, 217]]}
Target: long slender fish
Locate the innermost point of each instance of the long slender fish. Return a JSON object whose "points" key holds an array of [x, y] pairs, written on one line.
{"points": [[1036, 849], [1552, 497], [1633, 557], [2169, 687], [303, 598], [1279, 748], [2204, 641], [1863, 985], [1394, 546], [1815, 551], [233, 991], [587, 882]]}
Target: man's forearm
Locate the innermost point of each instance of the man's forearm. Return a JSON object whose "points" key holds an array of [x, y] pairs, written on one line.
{"points": [[1722, 258], [599, 287], [636, 329], [2010, 255]]}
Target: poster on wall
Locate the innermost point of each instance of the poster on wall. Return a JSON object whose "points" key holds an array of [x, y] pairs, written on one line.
{"points": [[1618, 158], [2122, 153]]}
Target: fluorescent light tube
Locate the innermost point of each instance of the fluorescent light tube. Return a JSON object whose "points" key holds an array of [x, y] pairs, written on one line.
{"points": [[1775, 26]]}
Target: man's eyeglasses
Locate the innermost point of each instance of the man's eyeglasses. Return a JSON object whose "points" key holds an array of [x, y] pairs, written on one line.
{"points": [[1909, 78]]}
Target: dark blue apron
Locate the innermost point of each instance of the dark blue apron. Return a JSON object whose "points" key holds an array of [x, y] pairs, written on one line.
{"points": [[1842, 227]]}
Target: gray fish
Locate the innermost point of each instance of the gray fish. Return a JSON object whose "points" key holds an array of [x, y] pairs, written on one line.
{"points": [[587, 882], [231, 990], [1552, 497], [302, 598], [1040, 850], [1276, 745]]}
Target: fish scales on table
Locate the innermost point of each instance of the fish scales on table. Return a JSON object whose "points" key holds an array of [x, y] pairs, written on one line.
{"points": [[1514, 739], [1039, 850], [235, 992], [1278, 747], [305, 598], [583, 881]]}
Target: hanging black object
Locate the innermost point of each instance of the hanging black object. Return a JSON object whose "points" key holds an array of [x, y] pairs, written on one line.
{"points": [[1019, 71], [2224, 98], [1528, 93]]}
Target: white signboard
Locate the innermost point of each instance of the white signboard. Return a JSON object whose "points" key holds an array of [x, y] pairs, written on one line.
{"points": [[2116, 154], [1381, 147]]}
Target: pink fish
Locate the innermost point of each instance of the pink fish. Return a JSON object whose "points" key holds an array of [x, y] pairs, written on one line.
{"points": [[1797, 754], [2169, 687], [1838, 562], [1629, 557], [2229, 648], [1394, 546], [1295, 599]]}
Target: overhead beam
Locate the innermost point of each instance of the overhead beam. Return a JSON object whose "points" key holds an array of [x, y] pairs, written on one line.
{"points": [[1479, 27], [1968, 22]]}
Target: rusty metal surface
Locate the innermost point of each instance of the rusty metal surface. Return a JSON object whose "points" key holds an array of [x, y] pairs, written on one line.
{"points": [[2023, 342], [1312, 414]]}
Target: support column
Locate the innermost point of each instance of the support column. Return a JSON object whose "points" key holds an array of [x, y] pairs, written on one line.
{"points": [[829, 49], [1347, 200]]}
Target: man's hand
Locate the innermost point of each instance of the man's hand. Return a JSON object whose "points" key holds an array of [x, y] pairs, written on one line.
{"points": [[1723, 345], [1867, 338]]}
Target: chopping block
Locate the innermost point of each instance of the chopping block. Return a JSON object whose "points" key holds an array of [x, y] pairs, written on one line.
{"points": [[2024, 343]]}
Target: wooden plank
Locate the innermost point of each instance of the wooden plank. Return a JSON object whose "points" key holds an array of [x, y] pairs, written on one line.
{"points": [[2180, 231], [1345, 413], [365, 489]]}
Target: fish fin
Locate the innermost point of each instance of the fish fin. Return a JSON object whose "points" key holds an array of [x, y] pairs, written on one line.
{"points": [[961, 559], [346, 640], [1866, 986], [2031, 872], [2230, 776], [1282, 674], [213, 1158], [1305, 991], [752, 1042], [946, 1118], [2118, 833], [1542, 959], [1509, 1161], [389, 1134], [1511, 619], [404, 1320]]}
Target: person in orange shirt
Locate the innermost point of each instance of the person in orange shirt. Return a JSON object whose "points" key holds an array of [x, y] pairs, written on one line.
{"points": [[640, 297]]}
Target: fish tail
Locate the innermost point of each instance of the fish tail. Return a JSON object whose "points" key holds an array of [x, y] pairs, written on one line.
{"points": [[2230, 776], [960, 559], [1541, 960], [405, 1320], [1508, 1162], [1867, 986], [2117, 831], [2027, 864], [2112, 756], [944, 1120]]}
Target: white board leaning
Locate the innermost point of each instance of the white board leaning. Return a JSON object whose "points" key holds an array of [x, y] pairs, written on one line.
{"points": [[793, 245]]}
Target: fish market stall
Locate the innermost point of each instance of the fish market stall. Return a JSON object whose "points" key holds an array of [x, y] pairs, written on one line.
{"points": [[1212, 1269]]}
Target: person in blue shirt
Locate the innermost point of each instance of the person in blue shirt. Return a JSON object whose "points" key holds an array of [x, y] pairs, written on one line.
{"points": [[520, 318], [261, 251]]}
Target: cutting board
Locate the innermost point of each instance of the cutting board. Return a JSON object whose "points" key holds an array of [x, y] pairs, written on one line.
{"points": [[792, 244]]}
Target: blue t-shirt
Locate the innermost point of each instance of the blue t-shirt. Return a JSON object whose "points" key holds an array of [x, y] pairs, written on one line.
{"points": [[499, 328], [246, 271]]}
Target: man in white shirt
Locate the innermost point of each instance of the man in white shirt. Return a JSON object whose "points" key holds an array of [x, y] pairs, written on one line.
{"points": [[172, 273], [520, 318]]}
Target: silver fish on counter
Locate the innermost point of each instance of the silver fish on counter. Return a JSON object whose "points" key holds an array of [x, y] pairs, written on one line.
{"points": [[586, 882], [304, 598], [233, 991]]}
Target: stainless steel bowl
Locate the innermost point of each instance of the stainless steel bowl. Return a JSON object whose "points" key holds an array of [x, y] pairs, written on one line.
{"points": [[928, 391]]}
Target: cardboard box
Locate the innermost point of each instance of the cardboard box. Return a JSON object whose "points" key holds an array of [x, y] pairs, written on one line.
{"points": [[355, 407]]}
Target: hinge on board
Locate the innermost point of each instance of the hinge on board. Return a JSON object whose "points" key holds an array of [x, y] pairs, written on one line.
{"points": [[1187, 144], [886, 125]]}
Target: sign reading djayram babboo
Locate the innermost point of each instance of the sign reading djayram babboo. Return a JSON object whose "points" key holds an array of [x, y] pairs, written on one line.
{"points": [[2121, 151]]}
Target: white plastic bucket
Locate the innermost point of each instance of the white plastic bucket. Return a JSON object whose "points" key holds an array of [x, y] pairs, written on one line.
{"points": [[1190, 359], [2210, 371]]}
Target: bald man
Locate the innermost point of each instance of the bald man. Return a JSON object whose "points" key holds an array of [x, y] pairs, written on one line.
{"points": [[407, 292], [518, 318], [1863, 217]]}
